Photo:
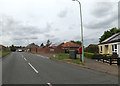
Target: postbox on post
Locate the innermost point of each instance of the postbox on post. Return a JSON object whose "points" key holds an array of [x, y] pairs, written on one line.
{"points": [[80, 50]]}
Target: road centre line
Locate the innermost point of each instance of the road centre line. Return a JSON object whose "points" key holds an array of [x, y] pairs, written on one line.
{"points": [[25, 59], [33, 68]]}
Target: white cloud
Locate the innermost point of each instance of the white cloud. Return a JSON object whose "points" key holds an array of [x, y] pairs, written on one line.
{"points": [[27, 21]]}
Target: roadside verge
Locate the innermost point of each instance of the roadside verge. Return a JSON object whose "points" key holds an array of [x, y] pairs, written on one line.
{"points": [[89, 64]]}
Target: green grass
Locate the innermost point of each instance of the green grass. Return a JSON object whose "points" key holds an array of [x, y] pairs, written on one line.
{"points": [[61, 56], [65, 57], [4, 52]]}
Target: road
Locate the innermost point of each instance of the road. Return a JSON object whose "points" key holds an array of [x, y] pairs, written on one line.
{"points": [[26, 68]]}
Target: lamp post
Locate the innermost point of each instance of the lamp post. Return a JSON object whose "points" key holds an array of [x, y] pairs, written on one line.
{"points": [[81, 31]]}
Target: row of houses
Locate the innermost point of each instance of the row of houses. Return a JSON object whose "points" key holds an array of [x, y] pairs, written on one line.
{"points": [[54, 48], [3, 48], [110, 45]]}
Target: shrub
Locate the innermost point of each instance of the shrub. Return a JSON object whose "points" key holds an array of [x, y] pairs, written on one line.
{"points": [[89, 55], [92, 49], [92, 55]]}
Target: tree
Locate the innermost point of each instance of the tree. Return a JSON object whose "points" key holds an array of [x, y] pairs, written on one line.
{"points": [[108, 33], [13, 48], [48, 43], [42, 45], [76, 42]]}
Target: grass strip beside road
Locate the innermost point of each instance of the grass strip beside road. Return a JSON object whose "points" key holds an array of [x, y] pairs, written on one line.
{"points": [[3, 53], [65, 57]]}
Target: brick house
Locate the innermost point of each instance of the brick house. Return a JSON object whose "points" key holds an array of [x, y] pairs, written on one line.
{"points": [[32, 48], [70, 46], [3, 48], [54, 48]]}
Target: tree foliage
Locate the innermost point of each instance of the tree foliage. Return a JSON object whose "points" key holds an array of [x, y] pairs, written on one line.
{"points": [[92, 49], [48, 43], [12, 48], [108, 33], [42, 45], [76, 42]]}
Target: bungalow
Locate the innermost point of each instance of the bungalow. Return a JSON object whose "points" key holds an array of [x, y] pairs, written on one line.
{"points": [[3, 48], [32, 48], [110, 45], [70, 46], [54, 48]]}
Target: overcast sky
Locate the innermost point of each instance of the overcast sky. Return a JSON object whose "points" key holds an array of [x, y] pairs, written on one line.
{"points": [[26, 21]]}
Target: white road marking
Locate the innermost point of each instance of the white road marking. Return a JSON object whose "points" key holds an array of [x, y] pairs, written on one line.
{"points": [[43, 56], [33, 68], [49, 84], [25, 59]]}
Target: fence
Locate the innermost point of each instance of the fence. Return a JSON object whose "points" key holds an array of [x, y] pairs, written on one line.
{"points": [[114, 59]]}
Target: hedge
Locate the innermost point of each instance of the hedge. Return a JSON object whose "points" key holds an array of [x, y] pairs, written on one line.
{"points": [[89, 55]]}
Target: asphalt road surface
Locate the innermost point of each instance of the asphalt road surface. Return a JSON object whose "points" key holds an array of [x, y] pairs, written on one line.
{"points": [[25, 68]]}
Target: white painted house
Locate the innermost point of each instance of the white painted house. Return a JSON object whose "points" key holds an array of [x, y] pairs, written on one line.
{"points": [[110, 45]]}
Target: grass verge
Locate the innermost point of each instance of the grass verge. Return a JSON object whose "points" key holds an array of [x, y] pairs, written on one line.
{"points": [[3, 53], [65, 57]]}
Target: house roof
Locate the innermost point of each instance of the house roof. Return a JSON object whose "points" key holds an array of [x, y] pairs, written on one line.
{"points": [[57, 45], [70, 44], [32, 45], [1, 46], [112, 39]]}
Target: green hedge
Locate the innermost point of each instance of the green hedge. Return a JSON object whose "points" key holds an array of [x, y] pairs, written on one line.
{"points": [[89, 55]]}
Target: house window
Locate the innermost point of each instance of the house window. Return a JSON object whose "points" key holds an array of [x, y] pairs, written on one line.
{"points": [[100, 49], [114, 48]]}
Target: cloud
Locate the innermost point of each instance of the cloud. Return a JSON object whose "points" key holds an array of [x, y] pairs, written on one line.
{"points": [[102, 23], [63, 13], [104, 15], [103, 9], [15, 31], [49, 35]]}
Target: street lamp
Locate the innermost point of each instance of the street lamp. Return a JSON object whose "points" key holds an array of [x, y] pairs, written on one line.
{"points": [[81, 31]]}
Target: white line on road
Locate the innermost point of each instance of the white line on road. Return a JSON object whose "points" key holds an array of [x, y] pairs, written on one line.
{"points": [[33, 68], [43, 56], [25, 59], [49, 84]]}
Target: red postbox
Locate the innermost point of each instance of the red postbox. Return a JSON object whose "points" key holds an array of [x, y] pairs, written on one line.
{"points": [[80, 50]]}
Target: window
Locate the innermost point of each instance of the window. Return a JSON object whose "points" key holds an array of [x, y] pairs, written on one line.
{"points": [[114, 48], [100, 49]]}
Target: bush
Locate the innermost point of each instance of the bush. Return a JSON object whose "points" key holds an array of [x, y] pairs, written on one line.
{"points": [[92, 55], [92, 49], [89, 55]]}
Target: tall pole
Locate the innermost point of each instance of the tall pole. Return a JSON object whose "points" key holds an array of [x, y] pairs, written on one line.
{"points": [[81, 31]]}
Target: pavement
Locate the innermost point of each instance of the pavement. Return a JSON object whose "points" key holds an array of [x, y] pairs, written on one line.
{"points": [[26, 68], [102, 67]]}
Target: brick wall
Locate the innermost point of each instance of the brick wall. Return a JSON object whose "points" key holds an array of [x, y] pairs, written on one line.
{"points": [[50, 50], [33, 50]]}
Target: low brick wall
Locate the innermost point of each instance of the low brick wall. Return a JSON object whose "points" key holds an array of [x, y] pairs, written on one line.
{"points": [[50, 50], [33, 50]]}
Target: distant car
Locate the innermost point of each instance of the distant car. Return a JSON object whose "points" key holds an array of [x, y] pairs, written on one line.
{"points": [[19, 50]]}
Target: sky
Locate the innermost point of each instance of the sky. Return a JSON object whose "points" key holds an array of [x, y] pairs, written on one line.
{"points": [[26, 21]]}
